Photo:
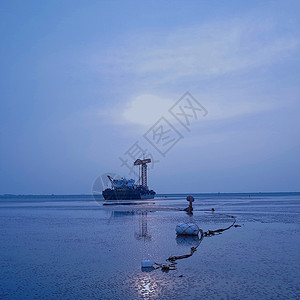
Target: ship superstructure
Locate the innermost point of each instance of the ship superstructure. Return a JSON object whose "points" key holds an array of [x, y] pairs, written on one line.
{"points": [[123, 189]]}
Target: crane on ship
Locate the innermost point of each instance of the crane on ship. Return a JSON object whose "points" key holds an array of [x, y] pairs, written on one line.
{"points": [[142, 163], [126, 189], [111, 180]]}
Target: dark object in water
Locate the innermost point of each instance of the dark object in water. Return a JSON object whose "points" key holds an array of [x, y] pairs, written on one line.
{"points": [[208, 233], [127, 193], [166, 267], [172, 259], [189, 209], [123, 189]]}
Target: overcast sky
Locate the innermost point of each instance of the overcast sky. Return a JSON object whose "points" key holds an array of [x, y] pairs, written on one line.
{"points": [[83, 81]]}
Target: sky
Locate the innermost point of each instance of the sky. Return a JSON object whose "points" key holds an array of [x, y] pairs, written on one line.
{"points": [[84, 82]]}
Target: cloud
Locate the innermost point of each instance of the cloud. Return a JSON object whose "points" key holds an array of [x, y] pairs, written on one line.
{"points": [[203, 51], [152, 64], [230, 109], [146, 109]]}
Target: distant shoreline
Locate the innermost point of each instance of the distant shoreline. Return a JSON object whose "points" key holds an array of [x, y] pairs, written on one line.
{"points": [[253, 194]]}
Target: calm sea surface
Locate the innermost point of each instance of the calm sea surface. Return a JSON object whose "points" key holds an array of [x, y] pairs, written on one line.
{"points": [[73, 247]]}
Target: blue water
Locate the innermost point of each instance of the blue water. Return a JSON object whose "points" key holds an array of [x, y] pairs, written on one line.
{"points": [[73, 247]]}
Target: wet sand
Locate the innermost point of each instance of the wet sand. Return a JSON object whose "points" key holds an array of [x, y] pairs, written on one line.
{"points": [[77, 248]]}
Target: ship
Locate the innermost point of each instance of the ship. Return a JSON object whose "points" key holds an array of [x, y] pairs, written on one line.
{"points": [[124, 189]]}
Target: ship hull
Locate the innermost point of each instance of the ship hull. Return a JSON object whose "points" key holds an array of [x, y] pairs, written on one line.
{"points": [[114, 194]]}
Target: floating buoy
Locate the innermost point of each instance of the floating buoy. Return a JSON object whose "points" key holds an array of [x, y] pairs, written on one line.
{"points": [[147, 263], [187, 229]]}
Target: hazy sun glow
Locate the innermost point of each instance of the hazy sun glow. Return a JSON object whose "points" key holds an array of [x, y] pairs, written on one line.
{"points": [[146, 109]]}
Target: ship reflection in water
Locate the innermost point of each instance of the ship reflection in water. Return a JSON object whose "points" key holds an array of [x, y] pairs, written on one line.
{"points": [[142, 233]]}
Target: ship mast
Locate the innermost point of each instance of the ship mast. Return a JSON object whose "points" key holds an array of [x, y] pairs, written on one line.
{"points": [[143, 163]]}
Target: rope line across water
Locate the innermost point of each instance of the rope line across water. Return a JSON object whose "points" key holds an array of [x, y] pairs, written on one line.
{"points": [[172, 259]]}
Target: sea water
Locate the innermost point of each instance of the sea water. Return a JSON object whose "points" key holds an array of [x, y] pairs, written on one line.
{"points": [[74, 247]]}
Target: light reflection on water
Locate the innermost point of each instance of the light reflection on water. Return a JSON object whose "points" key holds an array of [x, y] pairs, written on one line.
{"points": [[146, 286], [51, 250]]}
